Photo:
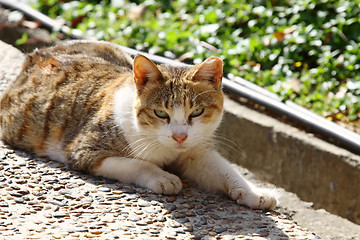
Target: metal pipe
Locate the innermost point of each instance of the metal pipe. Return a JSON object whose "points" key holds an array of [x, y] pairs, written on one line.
{"points": [[239, 86]]}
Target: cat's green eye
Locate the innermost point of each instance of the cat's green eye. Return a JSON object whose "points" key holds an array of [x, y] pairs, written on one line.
{"points": [[161, 114], [197, 112]]}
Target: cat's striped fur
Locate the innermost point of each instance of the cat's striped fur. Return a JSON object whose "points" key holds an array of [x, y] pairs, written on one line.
{"points": [[89, 105]]}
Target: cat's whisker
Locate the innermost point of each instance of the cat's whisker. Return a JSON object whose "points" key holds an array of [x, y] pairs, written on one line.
{"points": [[208, 142], [147, 146], [138, 150], [134, 146], [151, 147], [139, 141], [225, 143], [193, 99], [232, 144]]}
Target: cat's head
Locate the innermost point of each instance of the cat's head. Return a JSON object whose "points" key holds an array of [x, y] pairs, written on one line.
{"points": [[179, 106]]}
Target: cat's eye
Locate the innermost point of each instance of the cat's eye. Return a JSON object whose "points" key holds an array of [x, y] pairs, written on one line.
{"points": [[161, 114], [197, 112]]}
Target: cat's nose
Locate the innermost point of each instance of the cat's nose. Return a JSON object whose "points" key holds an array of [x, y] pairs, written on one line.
{"points": [[179, 137]]}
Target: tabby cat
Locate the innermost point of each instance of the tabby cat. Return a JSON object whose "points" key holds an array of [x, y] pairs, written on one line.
{"points": [[89, 105]]}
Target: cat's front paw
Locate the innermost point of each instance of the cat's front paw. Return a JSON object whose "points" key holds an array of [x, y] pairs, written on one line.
{"points": [[255, 198], [165, 183]]}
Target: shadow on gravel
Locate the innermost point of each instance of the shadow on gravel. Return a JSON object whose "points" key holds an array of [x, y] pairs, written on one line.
{"points": [[39, 197]]}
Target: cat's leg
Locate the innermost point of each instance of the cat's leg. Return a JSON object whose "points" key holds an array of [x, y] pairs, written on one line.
{"points": [[141, 173], [212, 172]]}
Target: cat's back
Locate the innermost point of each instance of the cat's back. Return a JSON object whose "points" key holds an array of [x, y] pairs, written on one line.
{"points": [[59, 89], [106, 51]]}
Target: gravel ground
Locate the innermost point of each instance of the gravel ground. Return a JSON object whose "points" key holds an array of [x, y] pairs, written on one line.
{"points": [[41, 199]]}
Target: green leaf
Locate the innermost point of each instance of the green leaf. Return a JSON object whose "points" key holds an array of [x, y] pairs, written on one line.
{"points": [[254, 43], [23, 40], [211, 17]]}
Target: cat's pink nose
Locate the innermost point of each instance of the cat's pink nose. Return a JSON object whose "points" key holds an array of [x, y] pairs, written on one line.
{"points": [[179, 137]]}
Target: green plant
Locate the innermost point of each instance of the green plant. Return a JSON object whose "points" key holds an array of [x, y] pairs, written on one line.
{"points": [[23, 40]]}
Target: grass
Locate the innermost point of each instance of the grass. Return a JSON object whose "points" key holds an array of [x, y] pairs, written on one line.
{"points": [[307, 51]]}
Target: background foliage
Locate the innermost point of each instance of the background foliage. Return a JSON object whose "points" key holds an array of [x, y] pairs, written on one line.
{"points": [[304, 50]]}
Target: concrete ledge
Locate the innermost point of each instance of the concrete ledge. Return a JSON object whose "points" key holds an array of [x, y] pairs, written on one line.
{"points": [[315, 170]]}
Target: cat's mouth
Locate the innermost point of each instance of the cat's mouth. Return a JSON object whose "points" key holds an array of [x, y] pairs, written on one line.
{"points": [[181, 146]]}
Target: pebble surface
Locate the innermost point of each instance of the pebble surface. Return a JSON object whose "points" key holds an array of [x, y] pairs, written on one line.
{"points": [[42, 199]]}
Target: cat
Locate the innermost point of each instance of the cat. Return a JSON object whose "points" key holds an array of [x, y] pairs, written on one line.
{"points": [[89, 105]]}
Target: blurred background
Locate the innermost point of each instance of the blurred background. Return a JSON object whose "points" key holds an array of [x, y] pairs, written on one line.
{"points": [[306, 51]]}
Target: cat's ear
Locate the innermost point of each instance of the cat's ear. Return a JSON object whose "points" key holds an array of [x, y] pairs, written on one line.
{"points": [[145, 71], [210, 70]]}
